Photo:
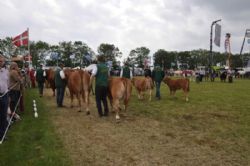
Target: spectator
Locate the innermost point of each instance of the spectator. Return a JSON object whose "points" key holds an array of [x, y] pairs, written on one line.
{"points": [[4, 83], [16, 80]]}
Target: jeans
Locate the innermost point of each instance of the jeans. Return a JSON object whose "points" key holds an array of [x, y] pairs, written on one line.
{"points": [[158, 86], [14, 97], [60, 96], [40, 87], [101, 93], [3, 114]]}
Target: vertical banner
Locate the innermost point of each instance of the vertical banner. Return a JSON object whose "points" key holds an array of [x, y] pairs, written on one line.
{"points": [[217, 35], [227, 43]]}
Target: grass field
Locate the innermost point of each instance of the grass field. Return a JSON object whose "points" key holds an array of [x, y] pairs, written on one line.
{"points": [[213, 128]]}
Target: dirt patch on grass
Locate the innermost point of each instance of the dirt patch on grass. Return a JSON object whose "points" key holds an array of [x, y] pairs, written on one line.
{"points": [[136, 140]]}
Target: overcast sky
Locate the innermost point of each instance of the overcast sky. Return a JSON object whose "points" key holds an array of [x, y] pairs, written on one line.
{"points": [[173, 25]]}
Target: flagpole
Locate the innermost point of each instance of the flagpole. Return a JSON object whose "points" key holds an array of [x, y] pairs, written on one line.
{"points": [[29, 46]]}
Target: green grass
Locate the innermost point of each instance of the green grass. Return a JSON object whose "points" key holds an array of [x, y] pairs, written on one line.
{"points": [[32, 141], [219, 111]]}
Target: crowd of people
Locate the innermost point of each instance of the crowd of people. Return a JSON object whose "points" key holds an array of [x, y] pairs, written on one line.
{"points": [[11, 98]]}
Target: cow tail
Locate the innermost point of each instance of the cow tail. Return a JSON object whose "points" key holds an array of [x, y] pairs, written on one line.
{"points": [[81, 88], [126, 89]]}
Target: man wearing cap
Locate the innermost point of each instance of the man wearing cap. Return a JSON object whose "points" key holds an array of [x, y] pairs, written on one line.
{"points": [[60, 85], [4, 83], [40, 75], [157, 75]]}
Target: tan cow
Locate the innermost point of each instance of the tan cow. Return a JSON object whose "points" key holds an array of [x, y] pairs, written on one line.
{"points": [[119, 89], [142, 85], [50, 78], [78, 83], [181, 83]]}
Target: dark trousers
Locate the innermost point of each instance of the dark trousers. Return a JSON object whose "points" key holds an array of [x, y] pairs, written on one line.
{"points": [[40, 87], [3, 114], [14, 97], [60, 96], [101, 93], [157, 87]]}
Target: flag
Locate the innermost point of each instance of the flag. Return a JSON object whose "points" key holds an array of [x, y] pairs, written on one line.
{"points": [[217, 35], [22, 39]]}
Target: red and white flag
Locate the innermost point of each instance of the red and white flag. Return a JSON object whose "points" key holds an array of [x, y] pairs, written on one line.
{"points": [[22, 39]]}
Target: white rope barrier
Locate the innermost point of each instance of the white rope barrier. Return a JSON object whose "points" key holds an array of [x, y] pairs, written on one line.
{"points": [[6, 130], [8, 90]]}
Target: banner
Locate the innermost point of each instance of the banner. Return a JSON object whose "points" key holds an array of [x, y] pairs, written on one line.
{"points": [[227, 43], [22, 39], [248, 34], [217, 35], [248, 41]]}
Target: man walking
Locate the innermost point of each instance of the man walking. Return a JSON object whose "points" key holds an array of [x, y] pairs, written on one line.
{"points": [[60, 85], [40, 75]]}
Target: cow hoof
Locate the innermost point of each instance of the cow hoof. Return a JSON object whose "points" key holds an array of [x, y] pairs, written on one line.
{"points": [[186, 99], [87, 113], [117, 117], [80, 111]]}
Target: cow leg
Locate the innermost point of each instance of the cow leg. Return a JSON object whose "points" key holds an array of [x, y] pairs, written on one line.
{"points": [[139, 94], [150, 94], [71, 97], [86, 93], [79, 102], [116, 108], [186, 95]]}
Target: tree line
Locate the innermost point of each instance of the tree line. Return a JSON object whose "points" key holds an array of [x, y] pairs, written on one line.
{"points": [[78, 53]]}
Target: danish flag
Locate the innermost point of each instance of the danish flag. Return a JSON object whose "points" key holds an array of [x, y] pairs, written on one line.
{"points": [[22, 39]]}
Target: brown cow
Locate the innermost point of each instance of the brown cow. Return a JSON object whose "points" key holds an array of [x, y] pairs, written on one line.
{"points": [[78, 83], [142, 85], [50, 77], [119, 89], [181, 83]]}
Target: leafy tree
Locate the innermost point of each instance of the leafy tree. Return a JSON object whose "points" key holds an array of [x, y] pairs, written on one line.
{"points": [[111, 53], [138, 55], [6, 47]]}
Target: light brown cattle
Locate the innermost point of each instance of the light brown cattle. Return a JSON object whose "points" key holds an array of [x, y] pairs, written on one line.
{"points": [[142, 85], [181, 83], [119, 89], [78, 83], [50, 78]]}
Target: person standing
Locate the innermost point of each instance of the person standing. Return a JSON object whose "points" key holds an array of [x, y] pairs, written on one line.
{"points": [[40, 75], [126, 72], [15, 79], [60, 85], [158, 75], [4, 83]]}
